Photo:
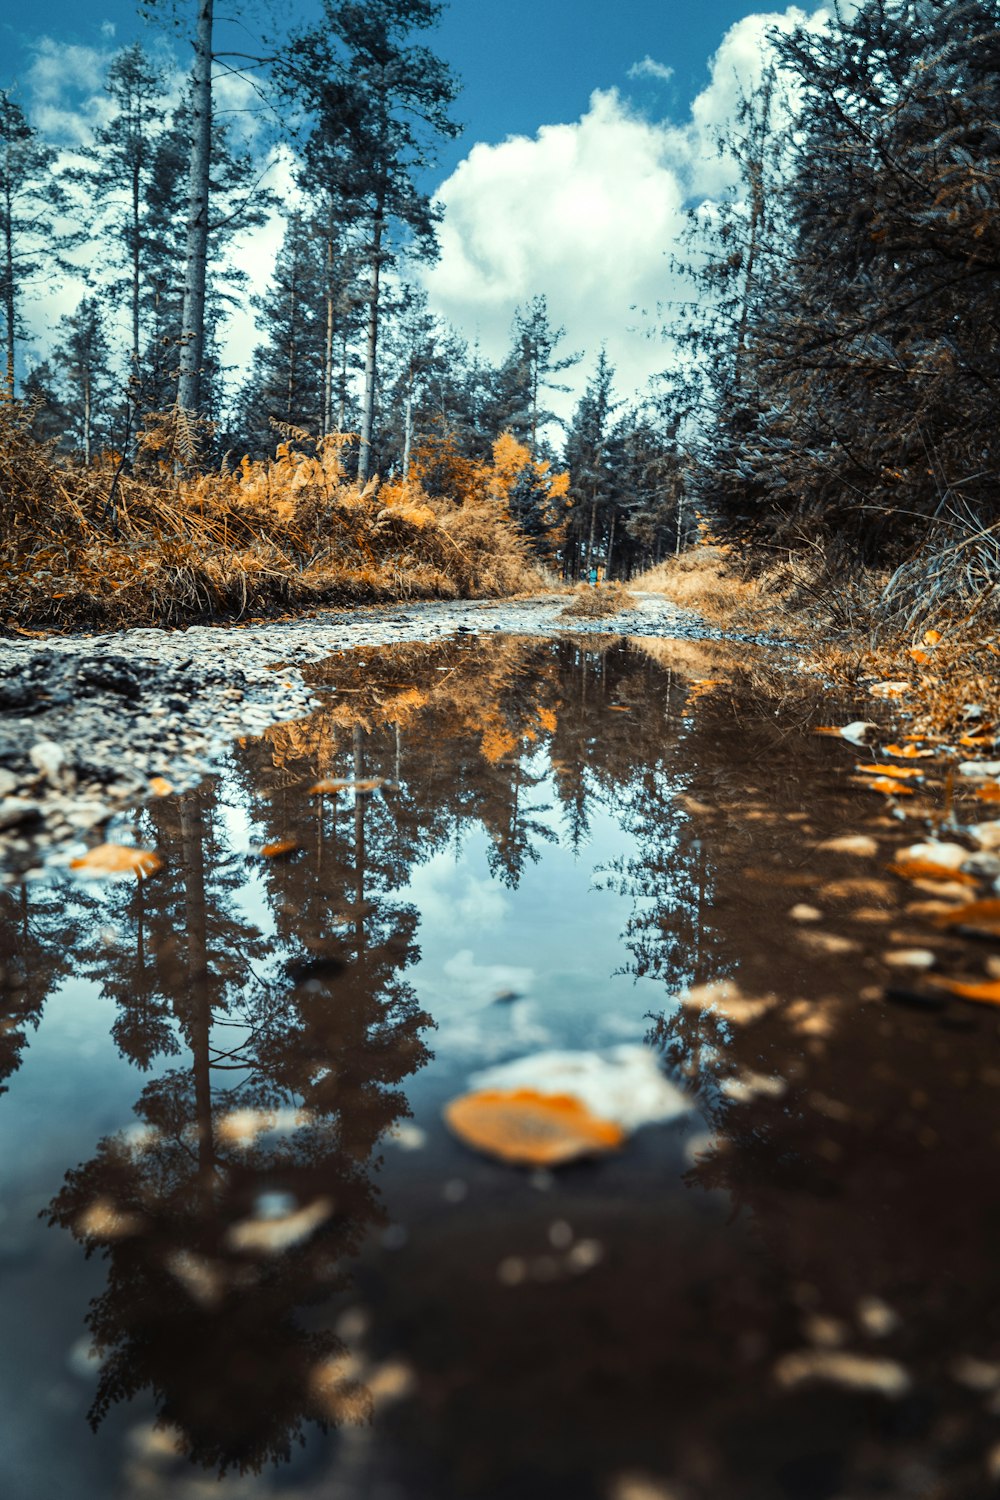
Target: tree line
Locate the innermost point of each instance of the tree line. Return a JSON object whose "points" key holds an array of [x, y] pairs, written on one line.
{"points": [[154, 207], [845, 372]]}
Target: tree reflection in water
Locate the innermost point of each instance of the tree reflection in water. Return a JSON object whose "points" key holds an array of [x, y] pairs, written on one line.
{"points": [[279, 1042]]}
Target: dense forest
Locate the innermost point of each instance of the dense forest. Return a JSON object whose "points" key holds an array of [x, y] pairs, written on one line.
{"points": [[830, 394]]}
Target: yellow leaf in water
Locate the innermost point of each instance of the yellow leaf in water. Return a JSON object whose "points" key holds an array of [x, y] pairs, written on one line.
{"points": [[279, 848], [160, 786], [980, 916], [977, 739], [990, 792], [907, 752], [118, 859], [886, 785], [528, 1128], [927, 869], [902, 773], [987, 992]]}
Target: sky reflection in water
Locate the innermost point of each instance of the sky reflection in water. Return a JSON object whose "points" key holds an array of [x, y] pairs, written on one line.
{"points": [[226, 1083]]}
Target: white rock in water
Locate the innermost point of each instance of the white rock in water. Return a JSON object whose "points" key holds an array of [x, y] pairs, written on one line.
{"points": [[624, 1084], [980, 770]]}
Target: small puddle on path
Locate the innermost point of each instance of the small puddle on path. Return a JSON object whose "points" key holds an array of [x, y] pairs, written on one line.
{"points": [[228, 1081]]}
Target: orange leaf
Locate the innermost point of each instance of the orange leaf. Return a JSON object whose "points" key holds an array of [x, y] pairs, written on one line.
{"points": [[931, 637], [526, 1127], [990, 792], [918, 654], [980, 916], [988, 992], [160, 786], [279, 848], [907, 752], [118, 859], [927, 869], [887, 786], [902, 773], [976, 739]]}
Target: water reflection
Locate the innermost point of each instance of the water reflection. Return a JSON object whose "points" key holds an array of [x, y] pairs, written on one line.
{"points": [[836, 1207], [267, 999]]}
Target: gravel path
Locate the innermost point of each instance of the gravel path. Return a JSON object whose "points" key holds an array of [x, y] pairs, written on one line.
{"points": [[87, 722]]}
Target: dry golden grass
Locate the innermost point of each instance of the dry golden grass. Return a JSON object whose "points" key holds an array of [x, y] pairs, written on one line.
{"points": [[97, 548], [711, 580], [594, 603]]}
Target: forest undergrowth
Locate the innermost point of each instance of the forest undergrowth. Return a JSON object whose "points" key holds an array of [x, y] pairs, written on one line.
{"points": [[856, 629], [160, 543]]}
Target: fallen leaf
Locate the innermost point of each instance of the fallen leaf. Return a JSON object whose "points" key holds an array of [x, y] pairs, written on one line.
{"points": [[886, 785], [986, 992], [907, 752], [909, 958], [851, 843], [977, 739], [856, 732], [858, 1372], [118, 859], [989, 793], [919, 655], [619, 708], [278, 849], [527, 1128], [889, 689], [160, 786], [624, 1084], [926, 869], [931, 637], [978, 916], [901, 773]]}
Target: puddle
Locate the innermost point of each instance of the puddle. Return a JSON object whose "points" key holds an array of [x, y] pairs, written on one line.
{"points": [[243, 1254]]}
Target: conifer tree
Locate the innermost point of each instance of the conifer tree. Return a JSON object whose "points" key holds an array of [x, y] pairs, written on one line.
{"points": [[33, 242], [379, 100]]}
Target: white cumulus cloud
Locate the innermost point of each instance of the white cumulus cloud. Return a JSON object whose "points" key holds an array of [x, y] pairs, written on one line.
{"points": [[650, 68], [590, 212]]}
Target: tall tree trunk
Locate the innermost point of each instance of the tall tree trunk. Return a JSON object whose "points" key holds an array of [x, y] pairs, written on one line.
{"points": [[199, 1000], [136, 187], [9, 309], [292, 345], [371, 348], [408, 425], [590, 539], [196, 248], [327, 422], [611, 543], [86, 418]]}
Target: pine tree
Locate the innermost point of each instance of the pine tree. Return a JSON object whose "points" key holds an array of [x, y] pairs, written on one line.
{"points": [[533, 360], [120, 175], [378, 100], [83, 360], [33, 200]]}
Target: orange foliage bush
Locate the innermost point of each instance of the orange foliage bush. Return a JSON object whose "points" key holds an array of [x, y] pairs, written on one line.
{"points": [[106, 546]]}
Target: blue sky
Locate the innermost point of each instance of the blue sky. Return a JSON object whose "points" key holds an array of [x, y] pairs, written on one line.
{"points": [[588, 133]]}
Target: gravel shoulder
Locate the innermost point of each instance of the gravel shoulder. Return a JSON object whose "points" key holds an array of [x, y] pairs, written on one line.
{"points": [[89, 723]]}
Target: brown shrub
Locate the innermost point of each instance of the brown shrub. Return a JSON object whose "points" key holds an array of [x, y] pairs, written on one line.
{"points": [[104, 547]]}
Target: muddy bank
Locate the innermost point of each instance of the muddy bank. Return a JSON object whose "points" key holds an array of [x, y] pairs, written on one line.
{"points": [[93, 724]]}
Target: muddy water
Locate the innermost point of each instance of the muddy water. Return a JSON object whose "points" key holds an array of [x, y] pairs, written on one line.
{"points": [[243, 1256]]}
